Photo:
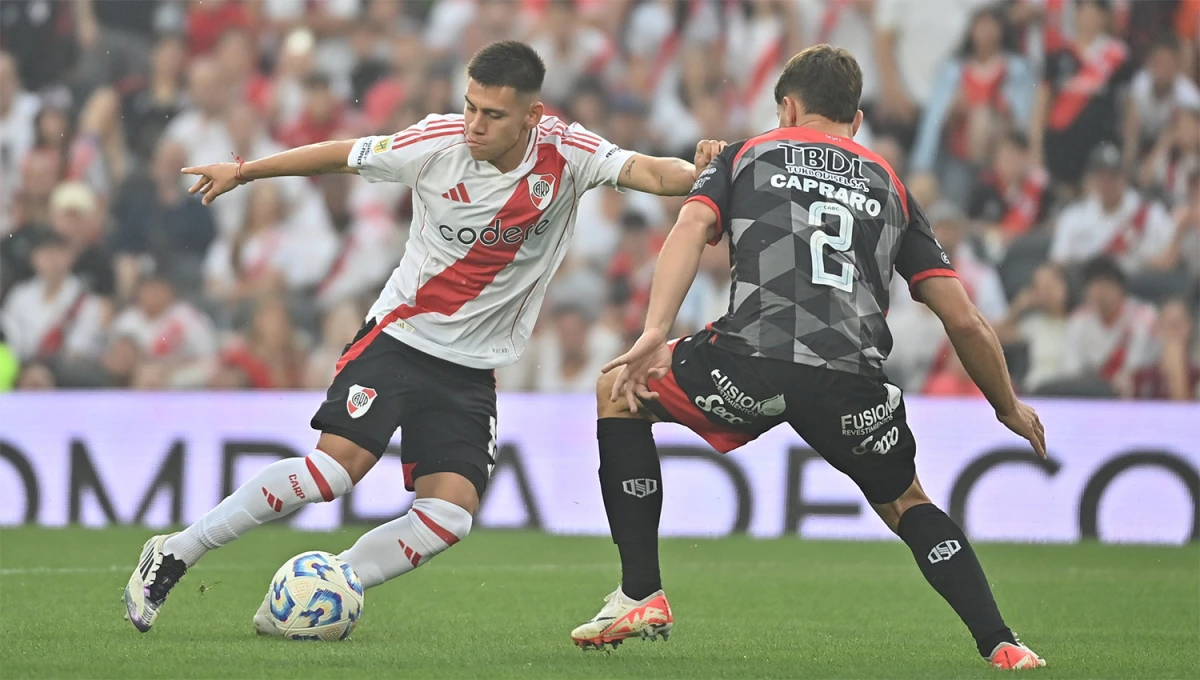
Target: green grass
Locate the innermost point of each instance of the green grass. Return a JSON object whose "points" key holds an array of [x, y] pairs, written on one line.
{"points": [[502, 605]]}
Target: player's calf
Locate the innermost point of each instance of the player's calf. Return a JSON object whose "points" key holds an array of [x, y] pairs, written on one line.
{"points": [[950, 565], [440, 517]]}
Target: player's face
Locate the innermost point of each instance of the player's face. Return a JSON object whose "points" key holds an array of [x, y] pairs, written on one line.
{"points": [[496, 119]]}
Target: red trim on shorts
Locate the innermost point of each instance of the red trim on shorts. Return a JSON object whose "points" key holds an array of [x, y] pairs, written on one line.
{"points": [[676, 403], [448, 538], [408, 476], [322, 485]]}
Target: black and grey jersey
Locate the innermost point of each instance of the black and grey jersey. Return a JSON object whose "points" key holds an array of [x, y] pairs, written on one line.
{"points": [[816, 225]]}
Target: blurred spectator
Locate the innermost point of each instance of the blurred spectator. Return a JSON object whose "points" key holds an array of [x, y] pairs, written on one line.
{"points": [[41, 36], [370, 66], [1077, 101], [574, 48], [1112, 218], [950, 379], [201, 127], [1037, 318], [1174, 158], [907, 60], [401, 81], [571, 355], [158, 218], [173, 344], [10, 366], [977, 276], [321, 118], [207, 20], [237, 55], [369, 244], [1011, 198], [250, 263], [1158, 91], [18, 110], [978, 96], [75, 214], [631, 270], [1177, 374], [272, 355], [338, 328], [148, 108], [53, 312], [1110, 336]]}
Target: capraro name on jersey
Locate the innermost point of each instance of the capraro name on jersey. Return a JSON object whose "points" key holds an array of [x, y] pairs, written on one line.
{"points": [[493, 233], [851, 199]]}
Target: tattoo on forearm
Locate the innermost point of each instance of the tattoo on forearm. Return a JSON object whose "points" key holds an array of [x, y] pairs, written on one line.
{"points": [[629, 169]]}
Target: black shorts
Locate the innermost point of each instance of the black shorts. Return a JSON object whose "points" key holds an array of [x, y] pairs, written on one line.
{"points": [[446, 412], [857, 423]]}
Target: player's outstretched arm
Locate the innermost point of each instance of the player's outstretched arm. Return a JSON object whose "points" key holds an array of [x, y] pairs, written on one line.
{"points": [[678, 262], [315, 159], [666, 176], [979, 350]]}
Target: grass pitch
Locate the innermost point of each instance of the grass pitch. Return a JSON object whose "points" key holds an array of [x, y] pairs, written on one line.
{"points": [[501, 605]]}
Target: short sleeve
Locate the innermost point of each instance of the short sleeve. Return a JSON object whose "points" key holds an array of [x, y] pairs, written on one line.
{"points": [[714, 187], [399, 157], [921, 256], [597, 160]]}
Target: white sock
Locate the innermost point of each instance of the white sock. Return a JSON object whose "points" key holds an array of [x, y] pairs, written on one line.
{"points": [[403, 544], [276, 491]]}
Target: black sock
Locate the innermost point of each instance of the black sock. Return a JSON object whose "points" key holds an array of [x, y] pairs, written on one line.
{"points": [[631, 484], [951, 567]]}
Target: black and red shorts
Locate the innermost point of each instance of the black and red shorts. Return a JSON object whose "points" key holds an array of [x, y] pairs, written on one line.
{"points": [[446, 412], [855, 422]]}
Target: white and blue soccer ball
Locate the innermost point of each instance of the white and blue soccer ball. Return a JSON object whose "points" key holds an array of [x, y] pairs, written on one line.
{"points": [[316, 596]]}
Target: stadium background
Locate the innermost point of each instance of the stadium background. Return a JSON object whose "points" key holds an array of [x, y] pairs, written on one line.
{"points": [[210, 331]]}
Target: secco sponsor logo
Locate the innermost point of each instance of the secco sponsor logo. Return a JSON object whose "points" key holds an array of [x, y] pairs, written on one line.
{"points": [[735, 397], [866, 422]]}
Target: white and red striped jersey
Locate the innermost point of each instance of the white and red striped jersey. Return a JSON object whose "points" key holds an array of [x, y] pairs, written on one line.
{"points": [[484, 243], [1113, 351], [1136, 232]]}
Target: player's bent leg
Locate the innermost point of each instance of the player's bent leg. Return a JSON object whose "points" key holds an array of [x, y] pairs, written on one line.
{"points": [[631, 485], [276, 491], [950, 565], [440, 516]]}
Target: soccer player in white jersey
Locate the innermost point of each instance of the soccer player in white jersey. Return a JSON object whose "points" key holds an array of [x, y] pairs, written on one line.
{"points": [[495, 194]]}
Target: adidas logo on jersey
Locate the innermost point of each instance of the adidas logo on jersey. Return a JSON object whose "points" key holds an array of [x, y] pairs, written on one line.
{"points": [[458, 194]]}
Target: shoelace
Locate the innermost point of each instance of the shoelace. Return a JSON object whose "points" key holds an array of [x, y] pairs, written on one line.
{"points": [[168, 574]]}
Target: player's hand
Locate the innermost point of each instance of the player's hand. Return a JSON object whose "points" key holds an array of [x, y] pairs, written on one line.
{"points": [[649, 358], [215, 180], [706, 150], [1023, 420]]}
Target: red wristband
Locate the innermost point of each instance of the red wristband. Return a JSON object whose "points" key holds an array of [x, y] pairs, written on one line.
{"points": [[237, 174]]}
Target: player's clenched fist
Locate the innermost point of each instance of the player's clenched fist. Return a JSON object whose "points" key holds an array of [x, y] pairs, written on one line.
{"points": [[706, 150], [215, 179]]}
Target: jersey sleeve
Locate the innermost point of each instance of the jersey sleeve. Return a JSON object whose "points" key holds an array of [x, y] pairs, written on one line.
{"points": [[921, 256], [399, 157], [596, 160], [714, 188]]}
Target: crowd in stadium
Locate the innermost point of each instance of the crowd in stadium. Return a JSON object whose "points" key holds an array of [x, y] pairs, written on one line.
{"points": [[1054, 146]]}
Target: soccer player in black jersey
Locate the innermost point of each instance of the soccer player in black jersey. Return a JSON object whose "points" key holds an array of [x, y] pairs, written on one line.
{"points": [[817, 224]]}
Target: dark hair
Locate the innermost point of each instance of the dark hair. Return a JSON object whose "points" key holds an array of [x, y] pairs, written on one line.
{"points": [[1016, 138], [508, 63], [826, 80], [1166, 41], [1103, 268], [1102, 5], [1008, 36]]}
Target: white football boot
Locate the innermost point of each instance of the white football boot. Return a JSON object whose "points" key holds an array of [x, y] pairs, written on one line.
{"points": [[150, 583], [622, 618]]}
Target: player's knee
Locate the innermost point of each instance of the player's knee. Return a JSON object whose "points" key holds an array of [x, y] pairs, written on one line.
{"points": [[891, 513], [354, 460], [605, 406], [450, 487]]}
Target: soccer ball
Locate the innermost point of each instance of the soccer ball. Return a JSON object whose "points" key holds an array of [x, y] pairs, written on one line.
{"points": [[315, 596]]}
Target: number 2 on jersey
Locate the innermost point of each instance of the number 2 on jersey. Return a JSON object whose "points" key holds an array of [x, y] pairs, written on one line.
{"points": [[841, 243]]}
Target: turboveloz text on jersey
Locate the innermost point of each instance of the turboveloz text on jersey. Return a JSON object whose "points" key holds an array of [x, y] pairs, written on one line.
{"points": [[825, 163], [493, 233]]}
